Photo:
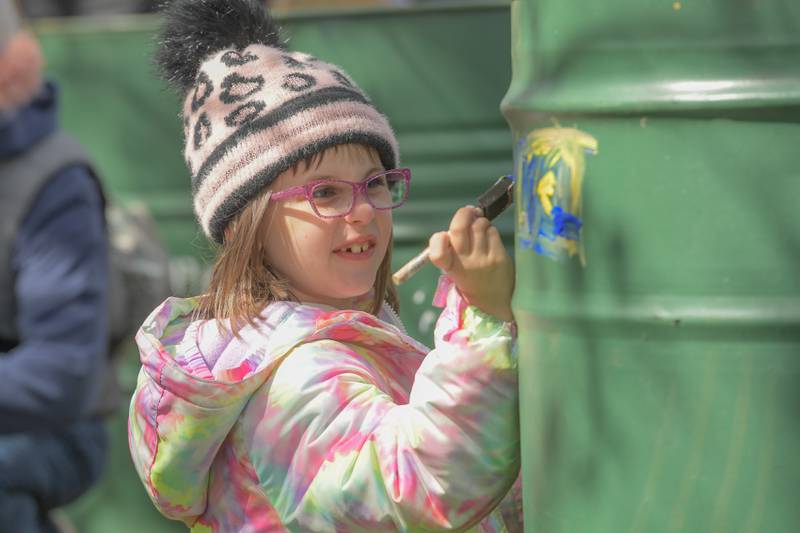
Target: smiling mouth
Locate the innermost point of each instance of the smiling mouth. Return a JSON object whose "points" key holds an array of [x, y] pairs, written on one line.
{"points": [[357, 248]]}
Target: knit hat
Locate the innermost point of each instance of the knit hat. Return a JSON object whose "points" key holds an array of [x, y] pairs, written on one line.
{"points": [[252, 108]]}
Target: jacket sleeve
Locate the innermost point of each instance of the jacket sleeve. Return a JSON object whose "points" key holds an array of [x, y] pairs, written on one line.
{"points": [[357, 459], [60, 260]]}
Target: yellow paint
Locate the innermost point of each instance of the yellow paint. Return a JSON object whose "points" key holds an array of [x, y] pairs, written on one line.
{"points": [[561, 151], [569, 145], [540, 146], [546, 190], [571, 247]]}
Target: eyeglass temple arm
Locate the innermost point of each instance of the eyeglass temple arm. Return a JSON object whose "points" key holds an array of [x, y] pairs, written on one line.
{"points": [[287, 193]]}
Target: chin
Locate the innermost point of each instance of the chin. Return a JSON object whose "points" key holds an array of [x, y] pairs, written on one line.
{"points": [[356, 290]]}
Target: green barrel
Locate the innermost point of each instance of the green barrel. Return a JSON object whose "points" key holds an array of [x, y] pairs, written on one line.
{"points": [[660, 379]]}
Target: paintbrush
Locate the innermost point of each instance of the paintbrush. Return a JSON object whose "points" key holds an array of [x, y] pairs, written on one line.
{"points": [[491, 203]]}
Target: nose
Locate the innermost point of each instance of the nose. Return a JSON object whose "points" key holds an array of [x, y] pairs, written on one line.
{"points": [[362, 212]]}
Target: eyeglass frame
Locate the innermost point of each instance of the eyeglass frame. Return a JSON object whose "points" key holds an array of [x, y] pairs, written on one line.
{"points": [[358, 187]]}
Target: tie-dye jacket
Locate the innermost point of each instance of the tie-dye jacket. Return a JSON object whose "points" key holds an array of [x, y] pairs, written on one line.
{"points": [[326, 420]]}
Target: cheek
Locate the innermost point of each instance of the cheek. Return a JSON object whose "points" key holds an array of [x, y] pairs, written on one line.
{"points": [[384, 221], [294, 242]]}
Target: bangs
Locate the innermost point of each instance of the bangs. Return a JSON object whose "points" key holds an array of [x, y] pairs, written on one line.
{"points": [[314, 161]]}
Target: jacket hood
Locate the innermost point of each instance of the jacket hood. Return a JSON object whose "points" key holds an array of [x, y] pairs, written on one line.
{"points": [[22, 128], [204, 376]]}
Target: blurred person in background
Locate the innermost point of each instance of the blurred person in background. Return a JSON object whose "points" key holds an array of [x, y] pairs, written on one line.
{"points": [[71, 8], [53, 285]]}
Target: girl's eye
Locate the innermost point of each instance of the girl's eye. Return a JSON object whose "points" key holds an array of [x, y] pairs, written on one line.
{"points": [[324, 191], [377, 182], [330, 194]]}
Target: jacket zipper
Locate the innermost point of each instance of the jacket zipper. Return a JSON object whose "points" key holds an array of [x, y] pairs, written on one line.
{"points": [[396, 317]]}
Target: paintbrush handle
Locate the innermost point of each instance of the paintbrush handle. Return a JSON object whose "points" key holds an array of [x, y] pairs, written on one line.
{"points": [[412, 267]]}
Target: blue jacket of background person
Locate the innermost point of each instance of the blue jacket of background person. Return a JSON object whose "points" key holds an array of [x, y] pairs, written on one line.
{"points": [[52, 448]]}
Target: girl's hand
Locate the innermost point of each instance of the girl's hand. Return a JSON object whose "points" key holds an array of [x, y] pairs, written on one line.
{"points": [[474, 257]]}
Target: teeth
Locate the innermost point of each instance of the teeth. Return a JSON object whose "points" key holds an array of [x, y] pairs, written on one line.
{"points": [[358, 248]]}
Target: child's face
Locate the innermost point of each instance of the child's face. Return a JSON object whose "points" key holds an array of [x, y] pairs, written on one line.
{"points": [[313, 253]]}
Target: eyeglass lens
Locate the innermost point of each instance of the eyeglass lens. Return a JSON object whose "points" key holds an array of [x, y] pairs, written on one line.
{"points": [[383, 191]]}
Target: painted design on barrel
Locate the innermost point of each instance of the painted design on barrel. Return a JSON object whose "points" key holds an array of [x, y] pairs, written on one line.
{"points": [[550, 164]]}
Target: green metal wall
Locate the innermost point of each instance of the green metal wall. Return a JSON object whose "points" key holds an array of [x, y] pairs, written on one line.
{"points": [[439, 73], [659, 383]]}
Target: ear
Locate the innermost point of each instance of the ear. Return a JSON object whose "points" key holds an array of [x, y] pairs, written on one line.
{"points": [[21, 66]]}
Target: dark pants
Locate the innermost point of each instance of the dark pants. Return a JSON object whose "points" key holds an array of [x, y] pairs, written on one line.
{"points": [[42, 471]]}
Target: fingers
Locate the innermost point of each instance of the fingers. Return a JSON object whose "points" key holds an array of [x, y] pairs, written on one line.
{"points": [[471, 235], [440, 251], [480, 236], [472, 253], [460, 229], [495, 246]]}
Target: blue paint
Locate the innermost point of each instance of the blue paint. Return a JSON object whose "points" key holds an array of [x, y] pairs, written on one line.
{"points": [[545, 162], [566, 224]]}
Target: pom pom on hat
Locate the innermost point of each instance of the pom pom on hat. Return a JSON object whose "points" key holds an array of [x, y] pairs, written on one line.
{"points": [[195, 29], [252, 109]]}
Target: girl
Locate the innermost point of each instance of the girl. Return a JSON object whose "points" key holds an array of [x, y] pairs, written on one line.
{"points": [[288, 397]]}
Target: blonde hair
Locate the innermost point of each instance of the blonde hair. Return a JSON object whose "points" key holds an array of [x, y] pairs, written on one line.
{"points": [[243, 283]]}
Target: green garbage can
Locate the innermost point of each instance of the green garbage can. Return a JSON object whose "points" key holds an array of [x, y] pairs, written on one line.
{"points": [[659, 380]]}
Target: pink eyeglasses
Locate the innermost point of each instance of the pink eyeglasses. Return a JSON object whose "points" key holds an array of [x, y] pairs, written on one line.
{"points": [[336, 198]]}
